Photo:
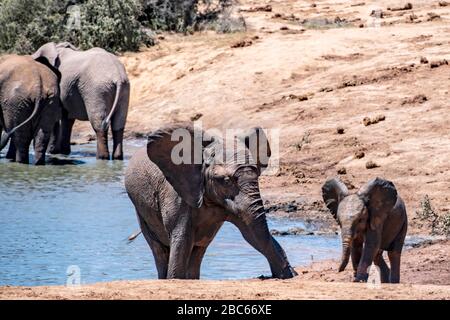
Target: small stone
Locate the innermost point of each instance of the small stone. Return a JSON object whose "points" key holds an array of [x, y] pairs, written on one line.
{"points": [[359, 154], [423, 60], [371, 165], [367, 121], [340, 130], [342, 170]]}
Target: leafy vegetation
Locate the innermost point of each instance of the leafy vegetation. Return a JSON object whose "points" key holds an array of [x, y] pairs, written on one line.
{"points": [[116, 25]]}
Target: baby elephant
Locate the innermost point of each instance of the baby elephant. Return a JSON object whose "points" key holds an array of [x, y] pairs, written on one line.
{"points": [[372, 220]]}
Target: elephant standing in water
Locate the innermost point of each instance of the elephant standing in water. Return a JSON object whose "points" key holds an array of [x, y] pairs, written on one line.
{"points": [[95, 87], [181, 206], [29, 107], [372, 220]]}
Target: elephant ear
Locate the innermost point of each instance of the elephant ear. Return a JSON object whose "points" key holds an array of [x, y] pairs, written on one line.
{"points": [[333, 191], [177, 151], [380, 197], [259, 147], [48, 55]]}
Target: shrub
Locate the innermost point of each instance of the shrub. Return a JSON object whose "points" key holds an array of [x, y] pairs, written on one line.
{"points": [[182, 15], [116, 25], [110, 24], [439, 225]]}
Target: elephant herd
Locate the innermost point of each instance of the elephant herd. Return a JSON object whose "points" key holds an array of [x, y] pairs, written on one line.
{"points": [[180, 205], [42, 96]]}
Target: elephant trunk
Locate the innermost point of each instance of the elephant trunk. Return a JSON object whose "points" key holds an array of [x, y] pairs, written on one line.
{"points": [[346, 250]]}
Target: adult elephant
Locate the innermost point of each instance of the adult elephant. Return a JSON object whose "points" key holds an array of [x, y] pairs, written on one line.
{"points": [[95, 87], [181, 205], [372, 221], [29, 107]]}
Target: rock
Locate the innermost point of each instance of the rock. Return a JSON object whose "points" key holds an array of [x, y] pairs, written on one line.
{"points": [[340, 130], [371, 165], [283, 28], [359, 154], [418, 99], [196, 116], [367, 121], [433, 16], [407, 6], [266, 8], [423, 60], [443, 3], [342, 170], [296, 231], [242, 44], [437, 64]]}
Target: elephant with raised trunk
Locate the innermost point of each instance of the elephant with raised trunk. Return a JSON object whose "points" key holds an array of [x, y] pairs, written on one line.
{"points": [[29, 107], [182, 205], [372, 221], [94, 87]]}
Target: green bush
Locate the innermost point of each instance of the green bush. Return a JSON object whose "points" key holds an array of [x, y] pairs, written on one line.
{"points": [[110, 24], [116, 25], [181, 15]]}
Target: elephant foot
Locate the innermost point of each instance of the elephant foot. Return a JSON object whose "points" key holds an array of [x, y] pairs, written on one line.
{"points": [[361, 278], [40, 162], [54, 150], [118, 157], [11, 154], [102, 156]]}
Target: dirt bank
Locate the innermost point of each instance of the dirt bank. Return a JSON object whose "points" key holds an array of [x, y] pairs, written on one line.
{"points": [[425, 275]]}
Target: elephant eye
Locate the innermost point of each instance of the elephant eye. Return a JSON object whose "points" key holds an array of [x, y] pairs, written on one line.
{"points": [[225, 180]]}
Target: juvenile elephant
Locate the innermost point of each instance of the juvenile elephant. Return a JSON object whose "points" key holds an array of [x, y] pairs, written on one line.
{"points": [[181, 207], [95, 87], [29, 106], [372, 221]]}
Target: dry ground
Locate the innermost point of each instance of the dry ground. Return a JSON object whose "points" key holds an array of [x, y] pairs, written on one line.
{"points": [[307, 79]]}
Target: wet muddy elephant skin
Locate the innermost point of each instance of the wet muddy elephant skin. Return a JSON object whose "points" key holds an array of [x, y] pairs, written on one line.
{"points": [[372, 221], [95, 88], [29, 107], [180, 208]]}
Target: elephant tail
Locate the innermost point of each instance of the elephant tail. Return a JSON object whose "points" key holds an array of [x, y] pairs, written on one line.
{"points": [[134, 236], [7, 135], [107, 121]]}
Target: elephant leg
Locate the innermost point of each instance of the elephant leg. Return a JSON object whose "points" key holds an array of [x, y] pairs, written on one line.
{"points": [[160, 251], [384, 269], [65, 134], [22, 143], [356, 255], [181, 245], [118, 144], [102, 145], [195, 262], [54, 147], [41, 142], [371, 247], [11, 154], [394, 259]]}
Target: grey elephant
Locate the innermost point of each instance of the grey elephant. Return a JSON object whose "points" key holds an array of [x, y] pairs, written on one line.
{"points": [[372, 221], [29, 107], [95, 87], [181, 207]]}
